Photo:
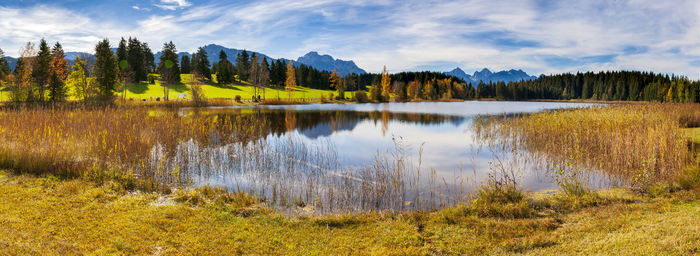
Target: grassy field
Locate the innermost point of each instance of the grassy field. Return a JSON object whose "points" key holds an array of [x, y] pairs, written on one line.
{"points": [[212, 90], [75, 181], [46, 215]]}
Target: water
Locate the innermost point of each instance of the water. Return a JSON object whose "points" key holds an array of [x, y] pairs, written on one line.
{"points": [[335, 157]]}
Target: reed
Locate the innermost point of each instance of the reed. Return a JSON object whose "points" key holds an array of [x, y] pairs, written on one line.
{"points": [[640, 143]]}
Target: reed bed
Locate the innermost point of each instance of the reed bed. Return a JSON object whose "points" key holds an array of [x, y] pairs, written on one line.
{"points": [[242, 150], [640, 143]]}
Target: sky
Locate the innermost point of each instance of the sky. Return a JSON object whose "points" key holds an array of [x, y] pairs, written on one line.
{"points": [[539, 37]]}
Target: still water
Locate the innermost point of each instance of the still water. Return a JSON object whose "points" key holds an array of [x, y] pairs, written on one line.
{"points": [[355, 157]]}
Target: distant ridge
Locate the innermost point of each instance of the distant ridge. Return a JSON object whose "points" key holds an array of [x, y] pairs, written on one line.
{"points": [[486, 75], [328, 63]]}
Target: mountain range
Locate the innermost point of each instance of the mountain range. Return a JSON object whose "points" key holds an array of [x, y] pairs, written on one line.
{"points": [[487, 76], [320, 62]]}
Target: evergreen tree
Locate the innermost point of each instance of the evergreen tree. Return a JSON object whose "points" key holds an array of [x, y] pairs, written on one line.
{"points": [[185, 67], [168, 67], [243, 65], [202, 64], [149, 58], [59, 72], [4, 66], [224, 70], [122, 55], [105, 70], [136, 59], [42, 71]]}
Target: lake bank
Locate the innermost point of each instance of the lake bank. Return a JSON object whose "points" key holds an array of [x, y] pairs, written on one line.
{"points": [[50, 215]]}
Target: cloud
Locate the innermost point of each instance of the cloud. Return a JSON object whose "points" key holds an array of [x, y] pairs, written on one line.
{"points": [[537, 36], [172, 4]]}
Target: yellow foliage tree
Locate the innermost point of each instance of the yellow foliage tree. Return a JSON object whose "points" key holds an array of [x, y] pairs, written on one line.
{"points": [[291, 83], [386, 85]]}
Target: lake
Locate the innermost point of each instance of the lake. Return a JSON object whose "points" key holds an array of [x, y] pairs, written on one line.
{"points": [[358, 157]]}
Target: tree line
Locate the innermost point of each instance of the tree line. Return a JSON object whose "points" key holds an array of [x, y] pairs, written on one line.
{"points": [[44, 75]]}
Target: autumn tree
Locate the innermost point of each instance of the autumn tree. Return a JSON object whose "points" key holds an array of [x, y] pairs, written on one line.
{"points": [[168, 67], [59, 71], [386, 85], [22, 89], [105, 70], [79, 80], [290, 82], [337, 83]]}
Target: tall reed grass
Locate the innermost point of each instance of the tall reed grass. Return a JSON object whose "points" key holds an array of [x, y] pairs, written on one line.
{"points": [[641, 143]]}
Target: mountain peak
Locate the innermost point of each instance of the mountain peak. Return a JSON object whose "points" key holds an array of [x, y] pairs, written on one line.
{"points": [[486, 75], [328, 63]]}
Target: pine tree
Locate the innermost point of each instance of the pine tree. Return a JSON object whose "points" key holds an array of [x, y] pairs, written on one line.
{"points": [[148, 58], [59, 71], [136, 59], [290, 82], [105, 70], [243, 65], [202, 65], [168, 67], [4, 66], [224, 73], [42, 71], [185, 67]]}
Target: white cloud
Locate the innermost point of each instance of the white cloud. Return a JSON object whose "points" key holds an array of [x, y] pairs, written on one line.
{"points": [[404, 35], [173, 4]]}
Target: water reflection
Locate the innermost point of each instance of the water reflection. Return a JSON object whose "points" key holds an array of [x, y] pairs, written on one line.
{"points": [[358, 157]]}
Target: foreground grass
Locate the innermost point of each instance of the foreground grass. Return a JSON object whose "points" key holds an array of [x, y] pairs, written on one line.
{"points": [[46, 215]]}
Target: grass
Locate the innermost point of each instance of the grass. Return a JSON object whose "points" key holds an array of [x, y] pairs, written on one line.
{"points": [[644, 143], [50, 215]]}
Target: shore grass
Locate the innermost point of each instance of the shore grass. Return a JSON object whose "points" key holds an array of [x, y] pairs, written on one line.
{"points": [[49, 215]]}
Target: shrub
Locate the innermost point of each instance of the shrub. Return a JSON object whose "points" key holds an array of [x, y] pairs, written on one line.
{"points": [[152, 78], [361, 97], [238, 98], [198, 96]]}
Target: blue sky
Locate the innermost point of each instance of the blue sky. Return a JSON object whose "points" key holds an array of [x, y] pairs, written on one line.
{"points": [[536, 36]]}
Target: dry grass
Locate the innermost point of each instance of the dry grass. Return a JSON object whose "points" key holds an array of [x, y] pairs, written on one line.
{"points": [[50, 216], [643, 143], [109, 141]]}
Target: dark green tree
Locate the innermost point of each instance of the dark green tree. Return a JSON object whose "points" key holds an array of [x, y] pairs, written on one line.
{"points": [[185, 66], [4, 66], [202, 63], [42, 69], [149, 58], [168, 67], [136, 59], [105, 70], [243, 65]]}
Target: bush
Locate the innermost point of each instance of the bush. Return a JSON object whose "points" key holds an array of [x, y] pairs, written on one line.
{"points": [[152, 78], [198, 96], [361, 97], [504, 201], [238, 98]]}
